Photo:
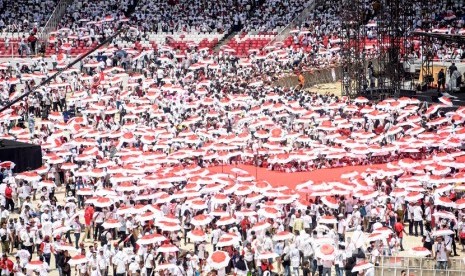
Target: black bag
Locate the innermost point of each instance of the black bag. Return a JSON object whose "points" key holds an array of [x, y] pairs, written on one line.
{"points": [[3, 238], [103, 238], [66, 267]]}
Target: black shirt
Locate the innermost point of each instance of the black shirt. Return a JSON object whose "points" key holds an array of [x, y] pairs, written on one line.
{"points": [[452, 68]]}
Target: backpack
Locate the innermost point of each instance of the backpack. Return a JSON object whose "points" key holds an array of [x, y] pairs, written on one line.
{"points": [[103, 237]]}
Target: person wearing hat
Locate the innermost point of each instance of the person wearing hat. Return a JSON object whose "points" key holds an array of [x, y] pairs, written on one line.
{"points": [[440, 253], [341, 227]]}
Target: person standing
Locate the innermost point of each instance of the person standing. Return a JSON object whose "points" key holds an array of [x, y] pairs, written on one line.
{"points": [[64, 265], [88, 216], [399, 229], [452, 69], [5, 235], [440, 253], [76, 227], [120, 261], [294, 256], [98, 218], [149, 261], [418, 219], [9, 198], [327, 264], [441, 80], [27, 239], [46, 249]]}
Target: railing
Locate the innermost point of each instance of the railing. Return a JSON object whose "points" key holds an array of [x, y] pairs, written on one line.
{"points": [[393, 266], [297, 21], [11, 51], [52, 22], [312, 77]]}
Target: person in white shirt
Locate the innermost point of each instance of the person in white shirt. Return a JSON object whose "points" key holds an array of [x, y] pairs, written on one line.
{"points": [[440, 253], [341, 227], [4, 214], [94, 271], [102, 262], [215, 234], [23, 256], [45, 268], [98, 220], [294, 256], [307, 221], [27, 239], [5, 234], [428, 213], [45, 215], [418, 219], [120, 261], [149, 260]]}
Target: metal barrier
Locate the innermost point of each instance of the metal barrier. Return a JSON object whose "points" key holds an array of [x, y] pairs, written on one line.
{"points": [[11, 51], [393, 266], [52, 23], [312, 77]]}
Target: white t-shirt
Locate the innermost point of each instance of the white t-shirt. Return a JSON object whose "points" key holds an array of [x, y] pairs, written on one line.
{"points": [[133, 267], [441, 253], [148, 258], [417, 213], [428, 213], [120, 260], [129, 227], [5, 232]]}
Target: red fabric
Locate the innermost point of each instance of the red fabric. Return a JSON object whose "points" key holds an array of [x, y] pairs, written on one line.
{"points": [[9, 193], [88, 215], [278, 179], [244, 224], [399, 227], [6, 264]]}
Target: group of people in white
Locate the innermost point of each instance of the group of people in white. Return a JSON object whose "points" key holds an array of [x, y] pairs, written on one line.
{"points": [[137, 156]]}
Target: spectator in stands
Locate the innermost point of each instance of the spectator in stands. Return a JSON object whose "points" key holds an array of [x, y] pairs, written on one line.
{"points": [[32, 39]]}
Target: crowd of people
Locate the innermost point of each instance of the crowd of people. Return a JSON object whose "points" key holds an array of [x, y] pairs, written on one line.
{"points": [[186, 114], [23, 15], [141, 147]]}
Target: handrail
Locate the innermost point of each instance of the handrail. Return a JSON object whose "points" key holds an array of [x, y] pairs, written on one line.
{"points": [[424, 263], [52, 22]]}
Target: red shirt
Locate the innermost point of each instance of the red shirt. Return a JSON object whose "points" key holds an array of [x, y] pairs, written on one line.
{"points": [[8, 192], [244, 224], [6, 264], [399, 228], [88, 215]]}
